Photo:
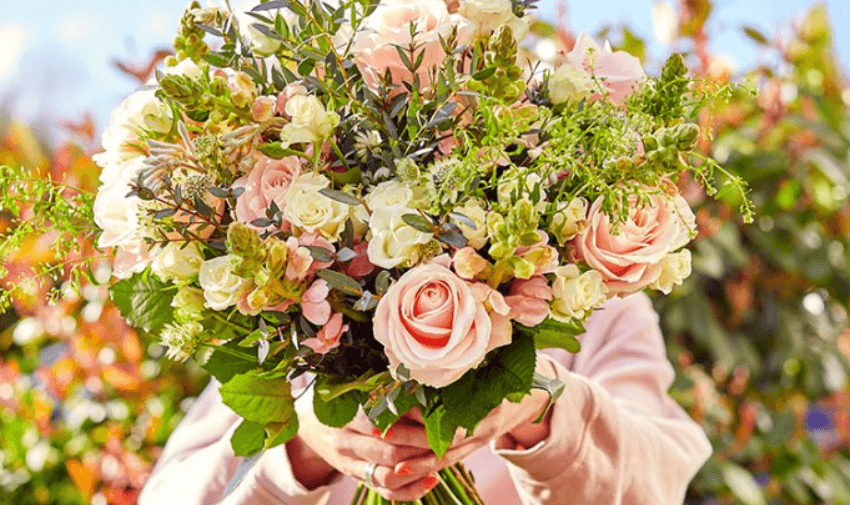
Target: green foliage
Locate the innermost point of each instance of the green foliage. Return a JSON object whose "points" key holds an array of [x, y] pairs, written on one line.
{"points": [[337, 412], [555, 334], [248, 438], [258, 399], [144, 301]]}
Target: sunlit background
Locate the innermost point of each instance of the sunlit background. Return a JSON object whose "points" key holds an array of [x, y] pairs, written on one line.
{"points": [[55, 61]]}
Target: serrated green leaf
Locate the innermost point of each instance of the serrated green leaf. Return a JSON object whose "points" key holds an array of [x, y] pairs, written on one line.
{"points": [[258, 399], [555, 334], [338, 412], [248, 438], [228, 361], [508, 372], [281, 433], [341, 282], [440, 430], [144, 301]]}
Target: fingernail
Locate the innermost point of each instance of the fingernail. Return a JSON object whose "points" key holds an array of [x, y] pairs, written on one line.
{"points": [[431, 482], [389, 434], [403, 469], [376, 432]]}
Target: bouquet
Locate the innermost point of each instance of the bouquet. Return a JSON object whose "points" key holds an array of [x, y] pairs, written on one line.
{"points": [[387, 197]]}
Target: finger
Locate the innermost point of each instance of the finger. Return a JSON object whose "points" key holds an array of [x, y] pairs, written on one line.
{"points": [[387, 478], [431, 462], [411, 435], [411, 492], [373, 449]]}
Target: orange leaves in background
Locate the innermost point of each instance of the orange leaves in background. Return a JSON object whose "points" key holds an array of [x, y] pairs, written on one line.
{"points": [[142, 71]]}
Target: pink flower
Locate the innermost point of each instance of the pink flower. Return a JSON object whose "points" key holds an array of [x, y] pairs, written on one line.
{"points": [[374, 46], [300, 264], [529, 300], [360, 266], [630, 260], [328, 337], [619, 72], [291, 90], [469, 264], [269, 181], [430, 322], [314, 303], [543, 256], [316, 240]]}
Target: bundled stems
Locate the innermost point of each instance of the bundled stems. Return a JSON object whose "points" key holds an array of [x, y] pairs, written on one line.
{"points": [[456, 487]]}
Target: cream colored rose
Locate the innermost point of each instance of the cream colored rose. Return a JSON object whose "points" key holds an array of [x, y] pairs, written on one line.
{"points": [[221, 286], [117, 214], [121, 140], [570, 83], [307, 210], [188, 303], [576, 294], [394, 242], [675, 268], [310, 121], [477, 236], [389, 194], [569, 219], [177, 263], [431, 322], [490, 15]]}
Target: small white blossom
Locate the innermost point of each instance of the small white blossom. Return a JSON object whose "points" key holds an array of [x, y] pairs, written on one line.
{"points": [[221, 286], [576, 294], [675, 268]]}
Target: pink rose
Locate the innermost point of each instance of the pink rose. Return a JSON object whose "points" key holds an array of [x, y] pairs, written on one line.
{"points": [[430, 322], [314, 303], [374, 47], [328, 337], [269, 181], [529, 300], [630, 260], [619, 71]]}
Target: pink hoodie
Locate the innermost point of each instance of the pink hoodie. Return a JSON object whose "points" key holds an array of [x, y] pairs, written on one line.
{"points": [[616, 437]]}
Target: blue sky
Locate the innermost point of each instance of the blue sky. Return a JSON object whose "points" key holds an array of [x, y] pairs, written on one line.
{"points": [[55, 55]]}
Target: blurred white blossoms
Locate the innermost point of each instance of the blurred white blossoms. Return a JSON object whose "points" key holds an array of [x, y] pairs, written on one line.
{"points": [[490, 15], [576, 294], [221, 286]]}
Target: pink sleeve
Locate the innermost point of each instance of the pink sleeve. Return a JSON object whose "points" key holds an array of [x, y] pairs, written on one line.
{"points": [[616, 438], [198, 462]]}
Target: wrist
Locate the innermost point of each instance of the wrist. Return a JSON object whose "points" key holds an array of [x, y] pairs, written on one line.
{"points": [[308, 468]]}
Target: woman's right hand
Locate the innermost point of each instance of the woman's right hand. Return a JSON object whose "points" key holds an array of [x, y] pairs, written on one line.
{"points": [[319, 451]]}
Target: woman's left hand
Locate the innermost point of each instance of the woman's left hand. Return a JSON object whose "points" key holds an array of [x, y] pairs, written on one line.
{"points": [[513, 419]]}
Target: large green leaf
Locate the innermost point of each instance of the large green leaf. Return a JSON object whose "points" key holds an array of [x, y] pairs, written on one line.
{"points": [[281, 433], [230, 360], [555, 334], [440, 430], [508, 373], [258, 399], [144, 301], [338, 412], [248, 438]]}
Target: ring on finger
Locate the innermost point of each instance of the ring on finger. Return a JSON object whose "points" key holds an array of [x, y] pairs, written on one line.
{"points": [[371, 468]]}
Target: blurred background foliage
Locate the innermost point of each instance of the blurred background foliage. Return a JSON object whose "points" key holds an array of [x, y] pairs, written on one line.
{"points": [[85, 403], [758, 335]]}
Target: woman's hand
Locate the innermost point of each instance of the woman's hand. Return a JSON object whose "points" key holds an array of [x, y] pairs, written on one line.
{"points": [[319, 451], [513, 419]]}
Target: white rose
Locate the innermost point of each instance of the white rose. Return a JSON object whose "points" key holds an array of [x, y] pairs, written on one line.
{"points": [[188, 303], [569, 219], [393, 241], [115, 213], [675, 268], [221, 286], [310, 121], [186, 68], [307, 210], [178, 263], [570, 83], [389, 194], [122, 138], [477, 236], [575, 294], [490, 15]]}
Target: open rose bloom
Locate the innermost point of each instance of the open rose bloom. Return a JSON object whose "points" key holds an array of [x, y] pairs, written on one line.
{"points": [[403, 214]]}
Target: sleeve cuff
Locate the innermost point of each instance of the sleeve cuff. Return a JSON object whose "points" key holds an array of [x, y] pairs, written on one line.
{"points": [[569, 421]]}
